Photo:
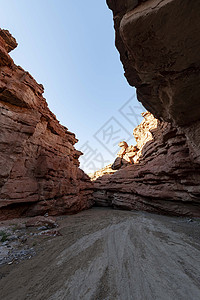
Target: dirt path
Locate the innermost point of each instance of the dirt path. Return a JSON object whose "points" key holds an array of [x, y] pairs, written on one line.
{"points": [[105, 254]]}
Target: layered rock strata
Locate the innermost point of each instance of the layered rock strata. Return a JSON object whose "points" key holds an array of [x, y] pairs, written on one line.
{"points": [[107, 170], [159, 46], [39, 167], [164, 178]]}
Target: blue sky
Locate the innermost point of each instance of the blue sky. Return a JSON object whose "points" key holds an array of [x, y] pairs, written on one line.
{"points": [[68, 46]]}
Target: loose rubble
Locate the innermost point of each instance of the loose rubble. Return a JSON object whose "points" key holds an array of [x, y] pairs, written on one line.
{"points": [[19, 238]]}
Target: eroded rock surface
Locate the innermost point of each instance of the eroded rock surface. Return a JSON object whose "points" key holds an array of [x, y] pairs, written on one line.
{"points": [[39, 167], [159, 44], [125, 156], [163, 179]]}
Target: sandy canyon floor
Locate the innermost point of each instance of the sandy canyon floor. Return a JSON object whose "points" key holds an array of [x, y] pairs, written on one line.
{"points": [[105, 254]]}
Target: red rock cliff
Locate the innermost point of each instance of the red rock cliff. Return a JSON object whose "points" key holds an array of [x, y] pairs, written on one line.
{"points": [[164, 179], [159, 46], [39, 167]]}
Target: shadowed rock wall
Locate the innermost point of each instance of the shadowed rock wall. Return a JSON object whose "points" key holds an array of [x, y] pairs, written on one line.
{"points": [[159, 46], [164, 179]]}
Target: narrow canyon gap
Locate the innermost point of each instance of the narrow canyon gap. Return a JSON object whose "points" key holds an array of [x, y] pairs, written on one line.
{"points": [[158, 42], [103, 253]]}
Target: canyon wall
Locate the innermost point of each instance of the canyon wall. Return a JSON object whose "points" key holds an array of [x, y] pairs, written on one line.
{"points": [[159, 46], [39, 167], [163, 179]]}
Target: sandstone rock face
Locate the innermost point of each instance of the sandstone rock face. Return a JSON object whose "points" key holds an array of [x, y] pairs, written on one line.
{"points": [[159, 46], [131, 154], [104, 171], [39, 170], [164, 178], [125, 156]]}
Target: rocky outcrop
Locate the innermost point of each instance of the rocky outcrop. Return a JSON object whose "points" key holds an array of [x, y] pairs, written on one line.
{"points": [[164, 178], [158, 41], [159, 47], [107, 170], [131, 154], [39, 167], [125, 156]]}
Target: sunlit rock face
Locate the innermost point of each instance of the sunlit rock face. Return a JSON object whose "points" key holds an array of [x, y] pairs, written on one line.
{"points": [[163, 179], [39, 167]]}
